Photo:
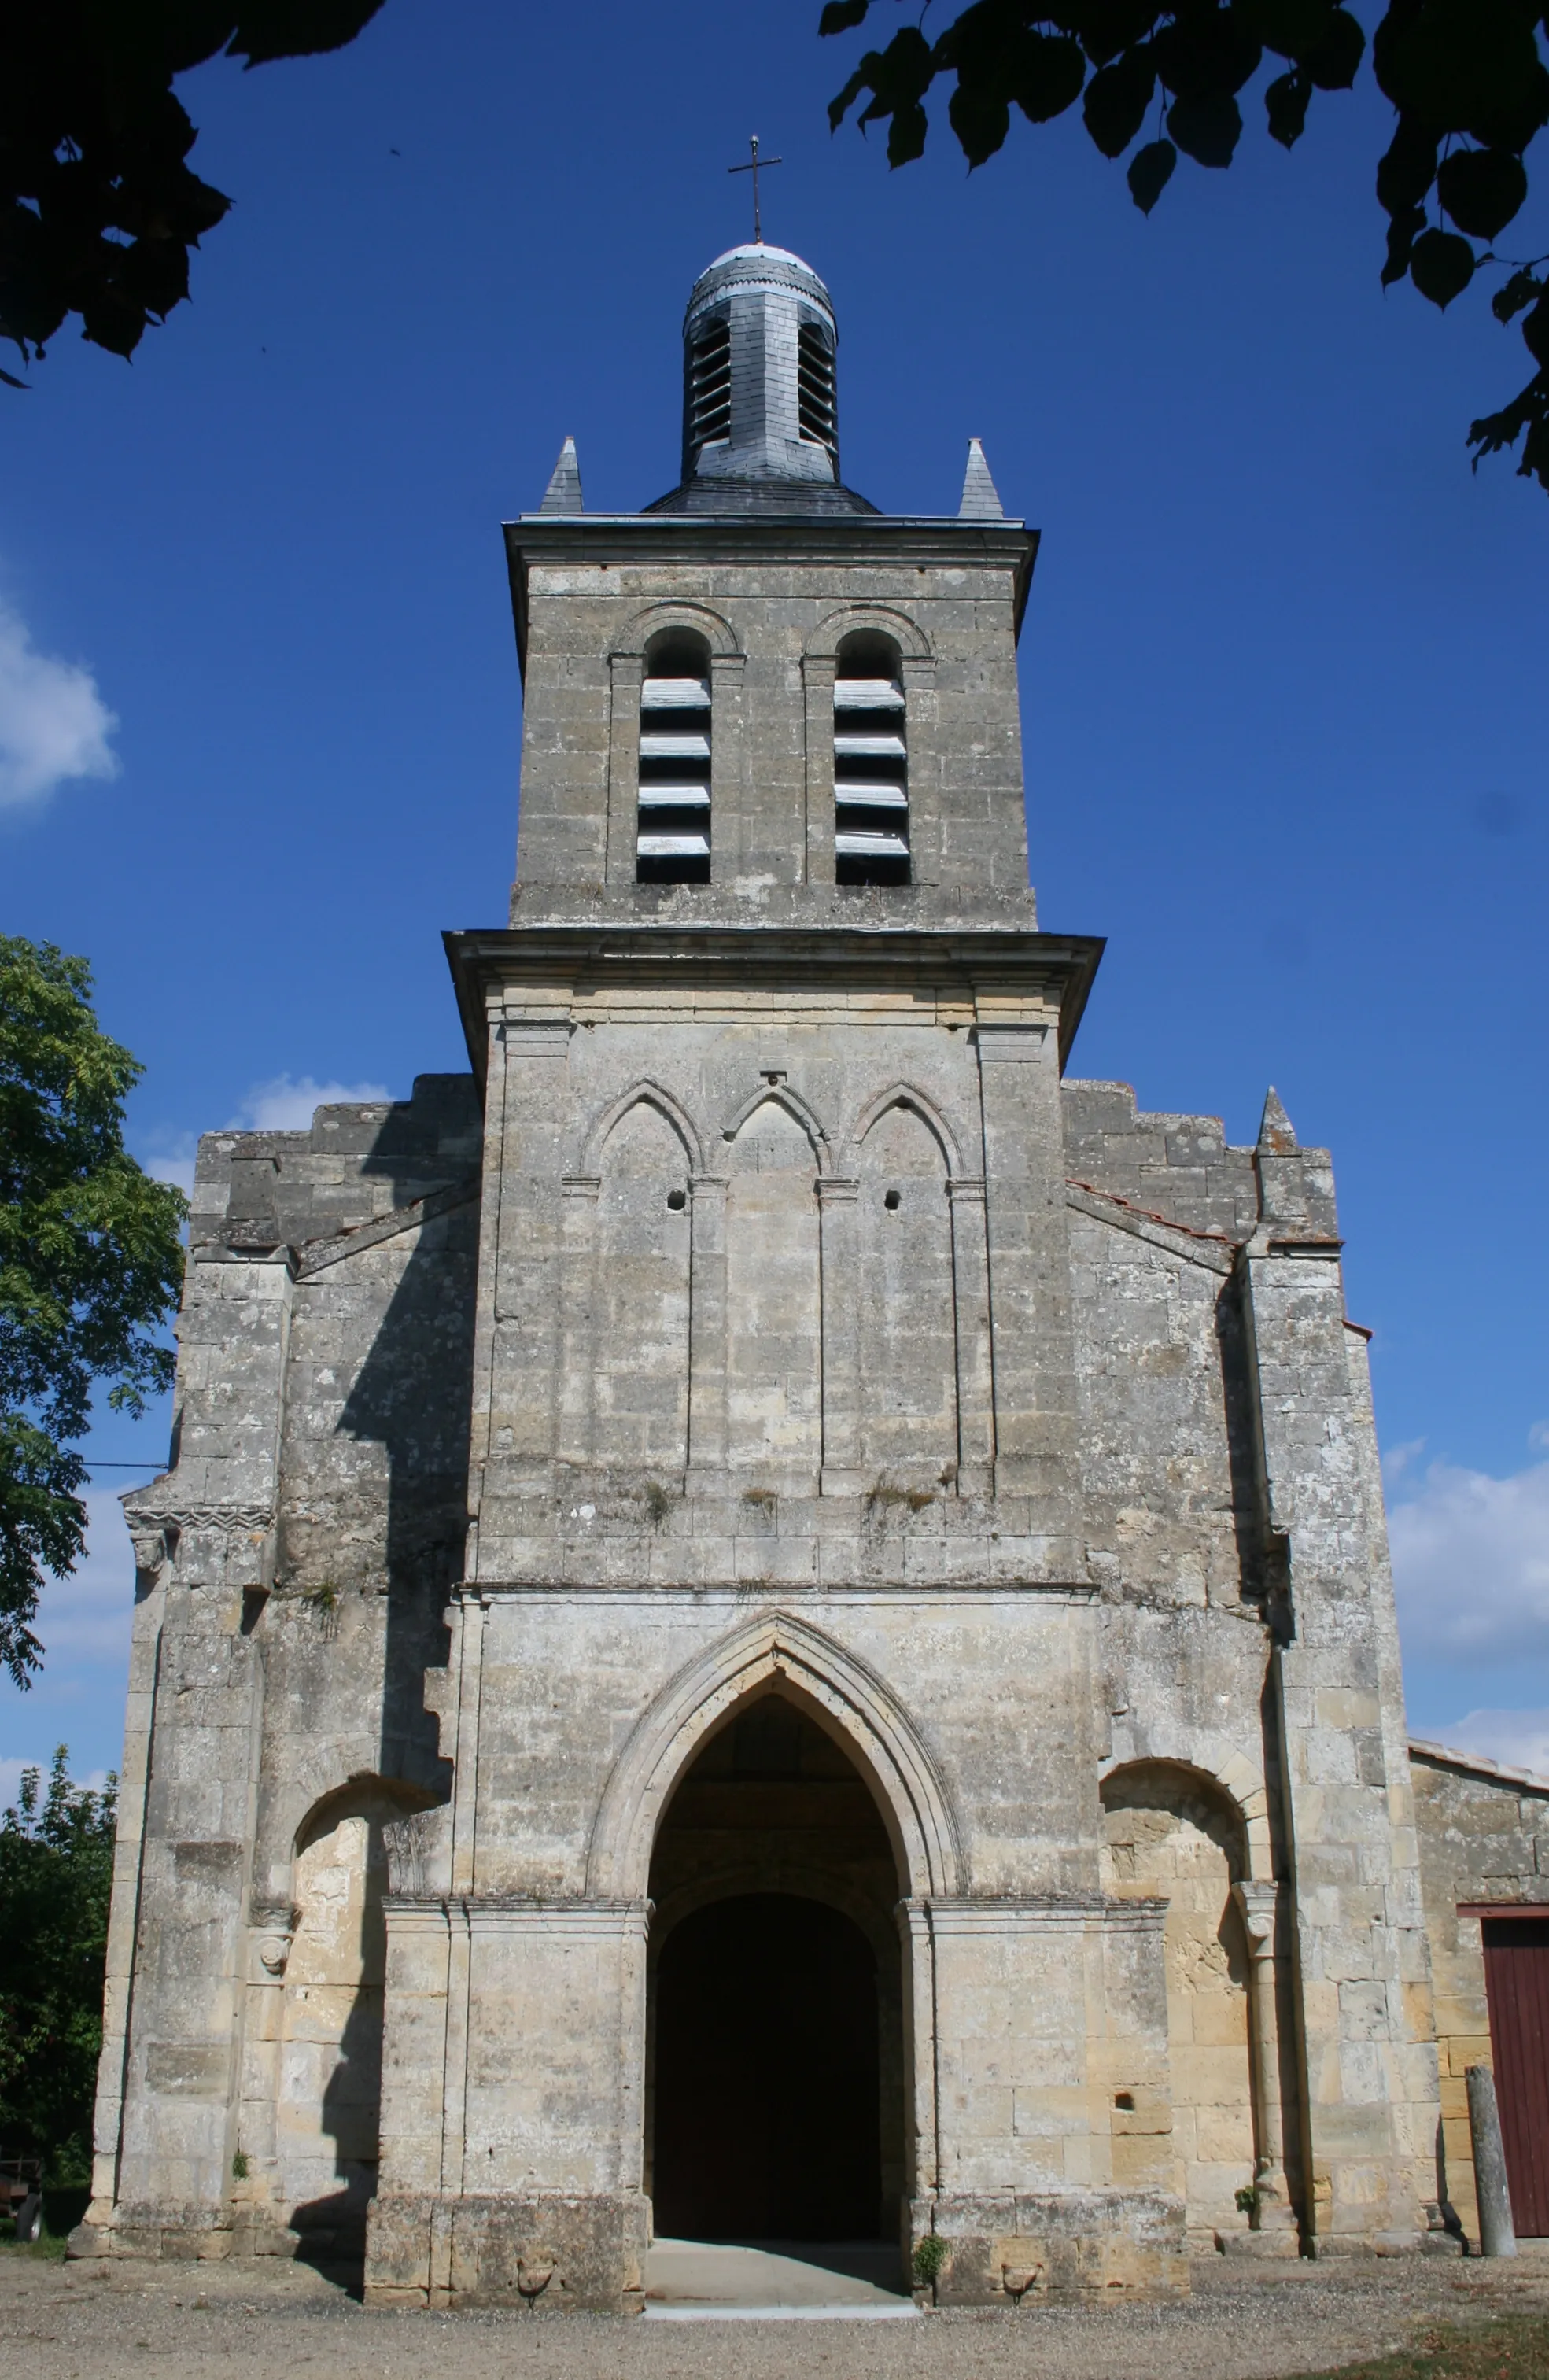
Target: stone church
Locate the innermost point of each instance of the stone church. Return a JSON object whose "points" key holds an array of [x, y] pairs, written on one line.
{"points": [[770, 1617]]}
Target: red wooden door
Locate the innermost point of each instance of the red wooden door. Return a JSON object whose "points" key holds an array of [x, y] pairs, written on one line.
{"points": [[1516, 1985]]}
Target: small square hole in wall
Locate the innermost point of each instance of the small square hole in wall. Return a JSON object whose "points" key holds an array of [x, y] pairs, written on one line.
{"points": [[677, 1200], [1125, 2102], [891, 1199]]}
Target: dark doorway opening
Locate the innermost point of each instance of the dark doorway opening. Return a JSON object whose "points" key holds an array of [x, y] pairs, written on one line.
{"points": [[767, 2115], [775, 2080]]}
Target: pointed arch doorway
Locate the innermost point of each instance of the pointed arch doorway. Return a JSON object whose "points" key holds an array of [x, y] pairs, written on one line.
{"points": [[775, 2087]]}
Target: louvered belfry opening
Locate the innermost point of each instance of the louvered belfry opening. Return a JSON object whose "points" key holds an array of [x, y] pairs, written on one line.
{"points": [[710, 385], [815, 400], [672, 838], [871, 764]]}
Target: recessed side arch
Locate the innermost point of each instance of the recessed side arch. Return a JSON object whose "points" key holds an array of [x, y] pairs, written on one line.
{"points": [[644, 1093], [824, 641], [840, 1692], [698, 618], [904, 1095], [1225, 1771], [780, 1094]]}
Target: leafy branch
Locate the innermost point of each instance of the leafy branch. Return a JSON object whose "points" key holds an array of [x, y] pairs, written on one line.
{"points": [[98, 205], [1466, 79]]}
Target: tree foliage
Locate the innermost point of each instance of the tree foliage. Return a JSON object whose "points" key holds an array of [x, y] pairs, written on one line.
{"points": [[55, 1882], [1466, 78], [98, 205], [91, 1266]]}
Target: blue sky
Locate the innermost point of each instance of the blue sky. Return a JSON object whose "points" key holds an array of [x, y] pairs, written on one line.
{"points": [[1282, 668]]}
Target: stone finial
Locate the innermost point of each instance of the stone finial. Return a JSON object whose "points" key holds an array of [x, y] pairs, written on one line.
{"points": [[1276, 1133], [564, 491], [980, 501]]}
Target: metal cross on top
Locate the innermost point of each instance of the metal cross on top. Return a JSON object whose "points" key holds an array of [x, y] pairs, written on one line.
{"points": [[753, 166]]}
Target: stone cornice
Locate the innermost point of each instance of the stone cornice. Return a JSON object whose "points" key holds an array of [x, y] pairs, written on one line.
{"points": [[1056, 968], [593, 539]]}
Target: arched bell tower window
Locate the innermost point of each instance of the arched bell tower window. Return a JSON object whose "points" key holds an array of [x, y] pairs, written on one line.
{"points": [[672, 837], [710, 386], [816, 404], [871, 763]]}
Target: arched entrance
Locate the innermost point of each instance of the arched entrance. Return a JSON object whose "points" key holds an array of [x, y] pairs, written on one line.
{"points": [[775, 2093]]}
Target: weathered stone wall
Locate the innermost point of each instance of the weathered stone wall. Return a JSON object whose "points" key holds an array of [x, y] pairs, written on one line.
{"points": [[293, 1567], [1483, 1839]]}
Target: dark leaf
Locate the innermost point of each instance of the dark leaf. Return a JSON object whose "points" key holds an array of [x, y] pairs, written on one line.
{"points": [[156, 272], [900, 76], [11, 381], [1402, 233], [860, 81], [1204, 54], [294, 29], [1048, 72], [1464, 66], [1512, 296], [1206, 127], [1535, 330], [906, 134], [1116, 99], [1482, 189], [1406, 171], [1441, 266], [1286, 106], [1150, 171], [1528, 411], [1106, 27], [839, 15], [1291, 27], [111, 318], [1332, 64], [981, 124]]}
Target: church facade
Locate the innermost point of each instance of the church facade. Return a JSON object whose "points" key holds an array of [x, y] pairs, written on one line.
{"points": [[770, 1617]]}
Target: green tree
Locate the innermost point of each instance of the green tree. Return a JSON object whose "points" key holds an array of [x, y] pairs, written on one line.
{"points": [[98, 207], [1466, 78], [55, 1882], [90, 1267]]}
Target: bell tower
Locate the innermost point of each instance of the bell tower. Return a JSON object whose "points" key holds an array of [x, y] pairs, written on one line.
{"points": [[759, 700]]}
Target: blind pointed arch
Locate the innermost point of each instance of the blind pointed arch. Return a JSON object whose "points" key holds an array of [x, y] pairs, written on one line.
{"points": [[877, 1730]]}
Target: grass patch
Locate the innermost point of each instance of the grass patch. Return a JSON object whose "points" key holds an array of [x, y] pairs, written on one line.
{"points": [[1516, 2347], [46, 2251]]}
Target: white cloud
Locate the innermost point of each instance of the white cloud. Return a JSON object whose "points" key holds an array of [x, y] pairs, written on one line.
{"points": [[286, 1104], [54, 724], [1399, 1458], [1471, 1563], [1518, 1739]]}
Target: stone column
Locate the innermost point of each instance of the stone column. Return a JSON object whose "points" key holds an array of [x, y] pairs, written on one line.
{"points": [[732, 802], [577, 1380], [1029, 1274], [976, 1376], [623, 768], [922, 743], [151, 1564], [817, 683], [922, 2139], [521, 1290], [839, 1210], [707, 1324], [1257, 1905]]}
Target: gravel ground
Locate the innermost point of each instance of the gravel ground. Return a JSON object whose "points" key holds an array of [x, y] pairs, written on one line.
{"points": [[87, 2321]]}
